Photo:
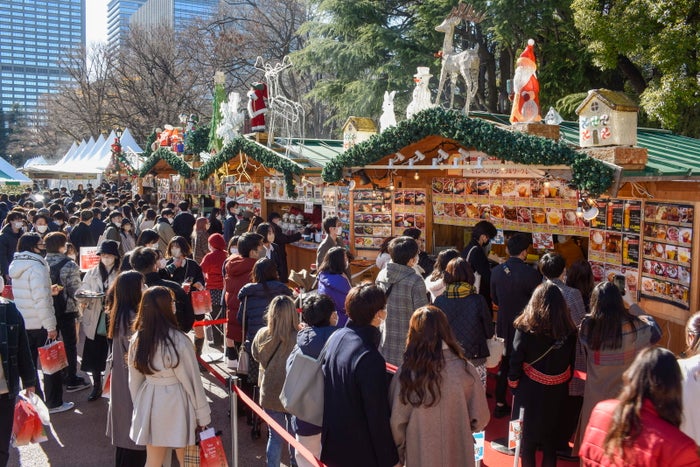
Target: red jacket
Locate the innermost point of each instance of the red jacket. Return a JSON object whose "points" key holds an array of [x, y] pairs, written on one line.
{"points": [[238, 271], [659, 443], [213, 262]]}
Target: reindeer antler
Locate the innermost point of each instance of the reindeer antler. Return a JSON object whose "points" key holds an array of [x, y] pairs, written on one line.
{"points": [[467, 12]]}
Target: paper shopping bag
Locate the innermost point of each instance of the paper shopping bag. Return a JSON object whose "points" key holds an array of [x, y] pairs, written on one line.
{"points": [[201, 302], [52, 357], [7, 292], [211, 449], [27, 426]]}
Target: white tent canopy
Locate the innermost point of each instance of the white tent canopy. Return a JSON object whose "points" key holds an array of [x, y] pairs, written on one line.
{"points": [[10, 176]]}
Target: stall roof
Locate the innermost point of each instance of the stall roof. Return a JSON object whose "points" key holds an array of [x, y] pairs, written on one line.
{"points": [[310, 153]]}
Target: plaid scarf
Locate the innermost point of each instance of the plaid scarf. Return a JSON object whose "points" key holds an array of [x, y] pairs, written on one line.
{"points": [[459, 290]]}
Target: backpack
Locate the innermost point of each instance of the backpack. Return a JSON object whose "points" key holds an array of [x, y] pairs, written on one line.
{"points": [[60, 301]]}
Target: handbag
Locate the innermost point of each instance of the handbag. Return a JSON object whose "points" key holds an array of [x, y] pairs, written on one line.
{"points": [[52, 357], [497, 348], [101, 325], [477, 276], [302, 392], [243, 356]]}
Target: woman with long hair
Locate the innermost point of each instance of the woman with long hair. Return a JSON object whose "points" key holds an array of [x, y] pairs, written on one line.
{"points": [[580, 276], [92, 298], [271, 348], [437, 397], [271, 248], [255, 297], [199, 239], [126, 294], [690, 370], [611, 336], [541, 365], [126, 232], [333, 282], [186, 271], [383, 257], [467, 313], [640, 427], [215, 224], [165, 386], [434, 283], [149, 220], [356, 403]]}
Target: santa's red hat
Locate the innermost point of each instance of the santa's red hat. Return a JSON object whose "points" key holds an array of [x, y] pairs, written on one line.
{"points": [[527, 58]]}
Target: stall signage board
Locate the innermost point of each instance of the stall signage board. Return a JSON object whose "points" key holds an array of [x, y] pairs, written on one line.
{"points": [[88, 258], [276, 190], [409, 210], [372, 219], [614, 242], [247, 195], [527, 205], [667, 252]]}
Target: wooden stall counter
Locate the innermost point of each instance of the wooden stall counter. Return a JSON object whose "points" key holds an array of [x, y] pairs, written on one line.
{"points": [[301, 255]]}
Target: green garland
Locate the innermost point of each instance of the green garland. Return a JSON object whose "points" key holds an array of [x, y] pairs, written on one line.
{"points": [[219, 97], [197, 140], [260, 154], [588, 174], [171, 158]]}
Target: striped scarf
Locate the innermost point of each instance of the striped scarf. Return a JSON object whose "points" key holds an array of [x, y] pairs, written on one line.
{"points": [[459, 290]]}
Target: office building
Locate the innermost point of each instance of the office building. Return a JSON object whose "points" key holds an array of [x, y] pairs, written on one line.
{"points": [[34, 35], [118, 15], [173, 13]]}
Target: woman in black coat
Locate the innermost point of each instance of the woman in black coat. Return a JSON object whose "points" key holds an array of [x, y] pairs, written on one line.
{"points": [[467, 313], [356, 429]]}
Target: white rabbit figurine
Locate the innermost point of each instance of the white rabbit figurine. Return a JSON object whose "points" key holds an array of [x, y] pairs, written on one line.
{"points": [[388, 118]]}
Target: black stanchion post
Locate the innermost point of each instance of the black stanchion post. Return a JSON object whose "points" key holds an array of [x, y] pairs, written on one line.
{"points": [[233, 401]]}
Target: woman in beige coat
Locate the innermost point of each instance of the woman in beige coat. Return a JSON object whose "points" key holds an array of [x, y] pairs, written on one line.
{"points": [[437, 398], [164, 382]]}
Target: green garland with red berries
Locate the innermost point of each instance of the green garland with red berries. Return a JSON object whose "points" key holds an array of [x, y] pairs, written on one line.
{"points": [[172, 159]]}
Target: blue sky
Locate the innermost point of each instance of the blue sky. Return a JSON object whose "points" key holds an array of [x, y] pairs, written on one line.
{"points": [[96, 21]]}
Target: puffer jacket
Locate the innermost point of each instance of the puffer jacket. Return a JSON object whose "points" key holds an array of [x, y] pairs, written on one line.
{"points": [[470, 321], [237, 275], [406, 293], [337, 287], [310, 342], [70, 279], [31, 286], [258, 297]]}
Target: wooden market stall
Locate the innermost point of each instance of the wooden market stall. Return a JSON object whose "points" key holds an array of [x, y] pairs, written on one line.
{"points": [[166, 175], [442, 172]]}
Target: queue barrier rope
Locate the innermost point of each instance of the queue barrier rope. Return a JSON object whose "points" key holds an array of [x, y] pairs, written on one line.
{"points": [[271, 423], [211, 322], [577, 373]]}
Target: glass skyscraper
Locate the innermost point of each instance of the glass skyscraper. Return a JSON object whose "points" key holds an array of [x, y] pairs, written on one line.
{"points": [[34, 35], [118, 14], [173, 13]]}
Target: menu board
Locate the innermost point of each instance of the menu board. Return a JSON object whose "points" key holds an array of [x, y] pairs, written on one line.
{"points": [[409, 210], [667, 252], [276, 190], [614, 243], [529, 205], [336, 202], [372, 219], [247, 195]]}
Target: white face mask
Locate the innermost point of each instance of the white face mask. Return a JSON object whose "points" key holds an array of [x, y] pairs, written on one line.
{"points": [[42, 228], [118, 224], [71, 257], [17, 225], [153, 245], [218, 218], [234, 250], [107, 261], [175, 252], [162, 263], [171, 219]]}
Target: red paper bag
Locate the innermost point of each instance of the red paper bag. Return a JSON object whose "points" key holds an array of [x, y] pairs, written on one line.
{"points": [[107, 386], [7, 292], [53, 357], [27, 427], [211, 450], [201, 302]]}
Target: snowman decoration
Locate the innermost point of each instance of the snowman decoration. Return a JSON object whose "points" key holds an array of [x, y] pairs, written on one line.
{"points": [[421, 94]]}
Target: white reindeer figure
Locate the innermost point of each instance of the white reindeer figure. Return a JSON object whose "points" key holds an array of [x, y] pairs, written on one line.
{"points": [[284, 112], [465, 63], [388, 118]]}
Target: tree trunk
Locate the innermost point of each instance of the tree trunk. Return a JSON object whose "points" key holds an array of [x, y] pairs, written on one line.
{"points": [[632, 73]]}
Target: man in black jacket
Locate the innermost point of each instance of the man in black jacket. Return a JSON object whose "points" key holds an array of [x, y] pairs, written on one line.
{"points": [[9, 235], [281, 239], [97, 226], [16, 364], [512, 285], [231, 220], [144, 260], [184, 221], [482, 234], [81, 235]]}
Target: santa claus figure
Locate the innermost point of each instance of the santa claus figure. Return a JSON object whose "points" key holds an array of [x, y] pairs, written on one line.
{"points": [[257, 106], [526, 88]]}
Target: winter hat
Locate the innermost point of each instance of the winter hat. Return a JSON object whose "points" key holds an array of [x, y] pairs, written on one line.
{"points": [[527, 58], [108, 247], [217, 241]]}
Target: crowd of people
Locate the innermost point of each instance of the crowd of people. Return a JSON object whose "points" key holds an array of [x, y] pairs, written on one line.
{"points": [[580, 359]]}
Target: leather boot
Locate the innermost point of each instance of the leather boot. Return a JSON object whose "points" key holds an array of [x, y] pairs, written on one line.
{"points": [[198, 344], [96, 386]]}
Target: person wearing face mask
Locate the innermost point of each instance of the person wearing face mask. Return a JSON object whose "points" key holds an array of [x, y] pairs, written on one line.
{"points": [[128, 239], [356, 402], [425, 265], [405, 292], [81, 235], [476, 255], [33, 292], [59, 219], [148, 238], [113, 228], [333, 228], [97, 281], [41, 225], [9, 235], [215, 223], [164, 229], [231, 220], [282, 239], [212, 268]]}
